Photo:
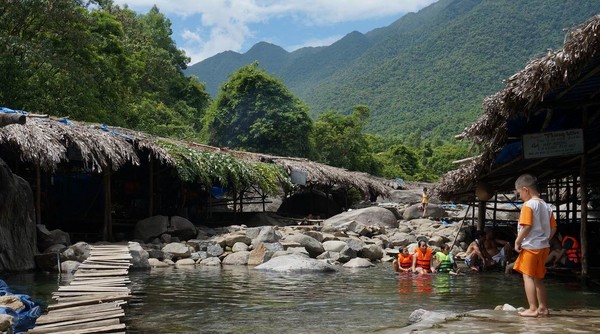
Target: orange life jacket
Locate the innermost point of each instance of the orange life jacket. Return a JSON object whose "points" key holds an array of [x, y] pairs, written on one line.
{"points": [[424, 260], [573, 253], [405, 261]]}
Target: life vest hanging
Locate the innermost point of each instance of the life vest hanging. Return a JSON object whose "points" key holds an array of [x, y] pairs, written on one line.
{"points": [[573, 253]]}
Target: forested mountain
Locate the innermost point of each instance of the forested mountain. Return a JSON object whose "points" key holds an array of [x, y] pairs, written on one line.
{"points": [[428, 71]]}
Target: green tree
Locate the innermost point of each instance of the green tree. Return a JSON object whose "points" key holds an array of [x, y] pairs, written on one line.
{"points": [[341, 142], [256, 112]]}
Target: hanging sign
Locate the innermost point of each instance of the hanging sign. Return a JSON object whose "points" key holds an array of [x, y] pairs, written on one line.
{"points": [[553, 144]]}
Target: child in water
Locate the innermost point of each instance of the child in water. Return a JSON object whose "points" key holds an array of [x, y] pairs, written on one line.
{"points": [[445, 261], [404, 261]]}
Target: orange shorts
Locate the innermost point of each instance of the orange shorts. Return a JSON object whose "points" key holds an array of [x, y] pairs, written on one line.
{"points": [[532, 262]]}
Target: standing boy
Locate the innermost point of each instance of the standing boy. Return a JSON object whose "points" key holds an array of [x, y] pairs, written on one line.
{"points": [[536, 227]]}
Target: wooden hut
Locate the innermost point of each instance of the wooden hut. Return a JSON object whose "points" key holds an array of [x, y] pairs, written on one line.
{"points": [[545, 122], [99, 167]]}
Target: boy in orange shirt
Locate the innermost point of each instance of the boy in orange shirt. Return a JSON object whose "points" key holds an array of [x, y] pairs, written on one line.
{"points": [[536, 227]]}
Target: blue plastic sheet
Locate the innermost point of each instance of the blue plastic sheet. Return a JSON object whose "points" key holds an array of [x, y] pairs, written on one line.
{"points": [[23, 319]]}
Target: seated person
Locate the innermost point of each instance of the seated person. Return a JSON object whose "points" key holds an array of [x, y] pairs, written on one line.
{"points": [[477, 258], [498, 256], [404, 261], [445, 261], [568, 254], [422, 259]]}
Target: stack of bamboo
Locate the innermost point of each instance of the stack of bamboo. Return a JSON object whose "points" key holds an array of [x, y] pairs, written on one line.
{"points": [[92, 302]]}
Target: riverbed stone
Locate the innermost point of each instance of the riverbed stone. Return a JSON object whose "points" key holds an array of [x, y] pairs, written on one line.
{"points": [[371, 252], [177, 249], [267, 234], [139, 256], [211, 261], [312, 245], [69, 267], [78, 252], [238, 259], [215, 250], [156, 263], [185, 262], [334, 245], [295, 263], [358, 262], [238, 247], [263, 253], [231, 239]]}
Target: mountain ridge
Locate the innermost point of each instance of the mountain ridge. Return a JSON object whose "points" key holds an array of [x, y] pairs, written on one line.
{"points": [[427, 71]]}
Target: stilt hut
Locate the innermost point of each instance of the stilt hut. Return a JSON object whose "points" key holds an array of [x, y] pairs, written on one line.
{"points": [[546, 121]]}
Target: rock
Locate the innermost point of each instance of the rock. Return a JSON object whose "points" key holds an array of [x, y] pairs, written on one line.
{"points": [[157, 254], [215, 250], [437, 241], [315, 235], [47, 261], [239, 246], [211, 261], [185, 262], [69, 267], [139, 256], [177, 249], [410, 196], [314, 247], [347, 254], [371, 252], [169, 262], [295, 263], [239, 258], [155, 263], [414, 211], [355, 244], [334, 245], [151, 227], [263, 253], [165, 238], [78, 252], [181, 228], [327, 255], [508, 307], [6, 323], [12, 301], [401, 239], [231, 239], [267, 234], [57, 248], [358, 262], [367, 216], [298, 250]]}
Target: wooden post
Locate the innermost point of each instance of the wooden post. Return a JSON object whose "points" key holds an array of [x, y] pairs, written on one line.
{"points": [[481, 215], [38, 195], [107, 233], [584, 203], [151, 188], [495, 207]]}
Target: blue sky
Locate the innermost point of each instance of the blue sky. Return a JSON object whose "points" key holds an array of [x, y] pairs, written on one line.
{"points": [[204, 28]]}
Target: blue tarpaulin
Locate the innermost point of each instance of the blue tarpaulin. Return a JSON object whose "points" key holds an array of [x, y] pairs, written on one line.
{"points": [[23, 319]]}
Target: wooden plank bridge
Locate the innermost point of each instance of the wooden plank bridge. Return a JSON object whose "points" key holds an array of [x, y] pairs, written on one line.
{"points": [[92, 302]]}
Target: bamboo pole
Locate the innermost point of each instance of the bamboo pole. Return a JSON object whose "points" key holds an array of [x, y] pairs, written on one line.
{"points": [[38, 194]]}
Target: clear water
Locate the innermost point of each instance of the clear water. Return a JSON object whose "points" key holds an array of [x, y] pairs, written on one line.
{"points": [[238, 299]]}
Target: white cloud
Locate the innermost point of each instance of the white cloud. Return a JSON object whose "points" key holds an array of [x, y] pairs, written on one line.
{"points": [[226, 22], [315, 42]]}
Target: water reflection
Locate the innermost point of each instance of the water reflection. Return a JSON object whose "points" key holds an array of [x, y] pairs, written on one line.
{"points": [[237, 299]]}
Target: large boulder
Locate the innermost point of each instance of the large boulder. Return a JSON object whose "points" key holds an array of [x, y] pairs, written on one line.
{"points": [[46, 238], [78, 252], [409, 196], [182, 228], [17, 222], [151, 227], [295, 263], [415, 212], [367, 216]]}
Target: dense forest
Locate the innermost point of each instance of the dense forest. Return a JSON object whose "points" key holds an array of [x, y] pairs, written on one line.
{"points": [[385, 102]]}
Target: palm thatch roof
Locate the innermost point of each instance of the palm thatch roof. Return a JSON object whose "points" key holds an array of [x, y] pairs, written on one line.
{"points": [[47, 142], [562, 84]]}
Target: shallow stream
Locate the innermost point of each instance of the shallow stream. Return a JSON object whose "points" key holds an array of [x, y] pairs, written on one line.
{"points": [[238, 299]]}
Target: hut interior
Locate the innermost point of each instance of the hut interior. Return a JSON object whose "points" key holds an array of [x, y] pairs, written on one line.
{"points": [[546, 122]]}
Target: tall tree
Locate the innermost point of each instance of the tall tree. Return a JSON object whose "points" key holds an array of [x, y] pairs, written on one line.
{"points": [[341, 142], [256, 112]]}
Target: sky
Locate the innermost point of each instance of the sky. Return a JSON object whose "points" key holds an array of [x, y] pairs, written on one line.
{"points": [[204, 28]]}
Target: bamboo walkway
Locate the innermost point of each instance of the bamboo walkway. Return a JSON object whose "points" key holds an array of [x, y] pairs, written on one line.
{"points": [[92, 302]]}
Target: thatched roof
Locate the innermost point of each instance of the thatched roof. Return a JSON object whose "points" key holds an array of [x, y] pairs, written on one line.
{"points": [[48, 142], [562, 82]]}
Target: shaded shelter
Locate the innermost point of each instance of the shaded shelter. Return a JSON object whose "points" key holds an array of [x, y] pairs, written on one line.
{"points": [[109, 173], [545, 122]]}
